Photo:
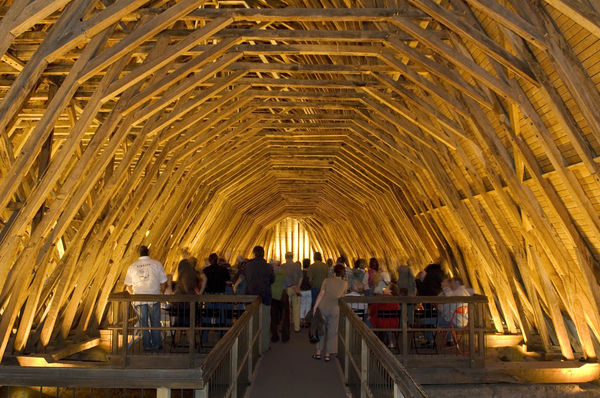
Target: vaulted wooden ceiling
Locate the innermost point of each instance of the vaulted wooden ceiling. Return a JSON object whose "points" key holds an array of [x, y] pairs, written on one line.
{"points": [[407, 129]]}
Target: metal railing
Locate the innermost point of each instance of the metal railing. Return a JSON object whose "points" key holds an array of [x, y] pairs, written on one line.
{"points": [[448, 330], [370, 369]]}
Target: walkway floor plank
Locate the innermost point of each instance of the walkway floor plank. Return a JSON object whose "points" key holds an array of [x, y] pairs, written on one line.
{"points": [[288, 370]]}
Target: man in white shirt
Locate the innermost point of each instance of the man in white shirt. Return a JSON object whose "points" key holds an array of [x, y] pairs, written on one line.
{"points": [[147, 276]]}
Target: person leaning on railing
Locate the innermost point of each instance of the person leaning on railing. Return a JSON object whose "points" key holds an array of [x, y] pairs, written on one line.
{"points": [[429, 283], [327, 303], [216, 276], [187, 282], [453, 315]]}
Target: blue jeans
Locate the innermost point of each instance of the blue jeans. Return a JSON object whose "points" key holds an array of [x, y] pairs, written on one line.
{"points": [[150, 338], [214, 315], [445, 324], [430, 322], [315, 292]]}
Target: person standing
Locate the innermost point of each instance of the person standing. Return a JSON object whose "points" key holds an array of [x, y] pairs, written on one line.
{"points": [[259, 278], [305, 293], [294, 281], [147, 276], [327, 303], [317, 273], [216, 276], [280, 305]]}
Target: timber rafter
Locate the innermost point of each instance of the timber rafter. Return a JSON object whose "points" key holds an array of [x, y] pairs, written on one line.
{"points": [[409, 130]]}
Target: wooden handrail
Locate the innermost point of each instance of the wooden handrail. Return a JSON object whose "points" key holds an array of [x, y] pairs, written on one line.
{"points": [[416, 299], [163, 298], [216, 355], [397, 371]]}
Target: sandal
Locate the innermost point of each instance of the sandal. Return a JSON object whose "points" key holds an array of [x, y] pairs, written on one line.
{"points": [[327, 358], [316, 356]]}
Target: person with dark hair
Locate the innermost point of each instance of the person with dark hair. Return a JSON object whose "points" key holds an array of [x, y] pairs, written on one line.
{"points": [[216, 276], [316, 274], [330, 265], [147, 276], [373, 272], [259, 278], [430, 285], [360, 274], [327, 303], [239, 280], [187, 283], [305, 293]]}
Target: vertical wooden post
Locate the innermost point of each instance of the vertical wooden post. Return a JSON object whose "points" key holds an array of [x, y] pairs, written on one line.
{"points": [[404, 334], [481, 333], [163, 392], [250, 345], [202, 393], [364, 368], [397, 392], [115, 321], [192, 332], [125, 324], [260, 331], [234, 367], [472, 320], [347, 350]]}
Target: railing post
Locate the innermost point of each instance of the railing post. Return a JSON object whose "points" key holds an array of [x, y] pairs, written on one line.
{"points": [[234, 367], [163, 392], [397, 392], [364, 368], [261, 349], [115, 322], [347, 350], [481, 333], [202, 393], [125, 337], [250, 347], [472, 322], [404, 333], [192, 332]]}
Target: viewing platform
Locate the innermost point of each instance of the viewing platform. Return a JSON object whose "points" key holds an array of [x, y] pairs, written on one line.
{"points": [[196, 361]]}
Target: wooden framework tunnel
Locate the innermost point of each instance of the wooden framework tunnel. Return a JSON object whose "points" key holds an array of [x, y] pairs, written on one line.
{"points": [[406, 129]]}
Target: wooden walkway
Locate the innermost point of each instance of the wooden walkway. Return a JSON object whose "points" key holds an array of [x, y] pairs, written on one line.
{"points": [[288, 370]]}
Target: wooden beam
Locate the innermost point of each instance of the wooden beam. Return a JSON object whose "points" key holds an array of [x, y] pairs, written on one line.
{"points": [[476, 36], [291, 14], [511, 21], [579, 12]]}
